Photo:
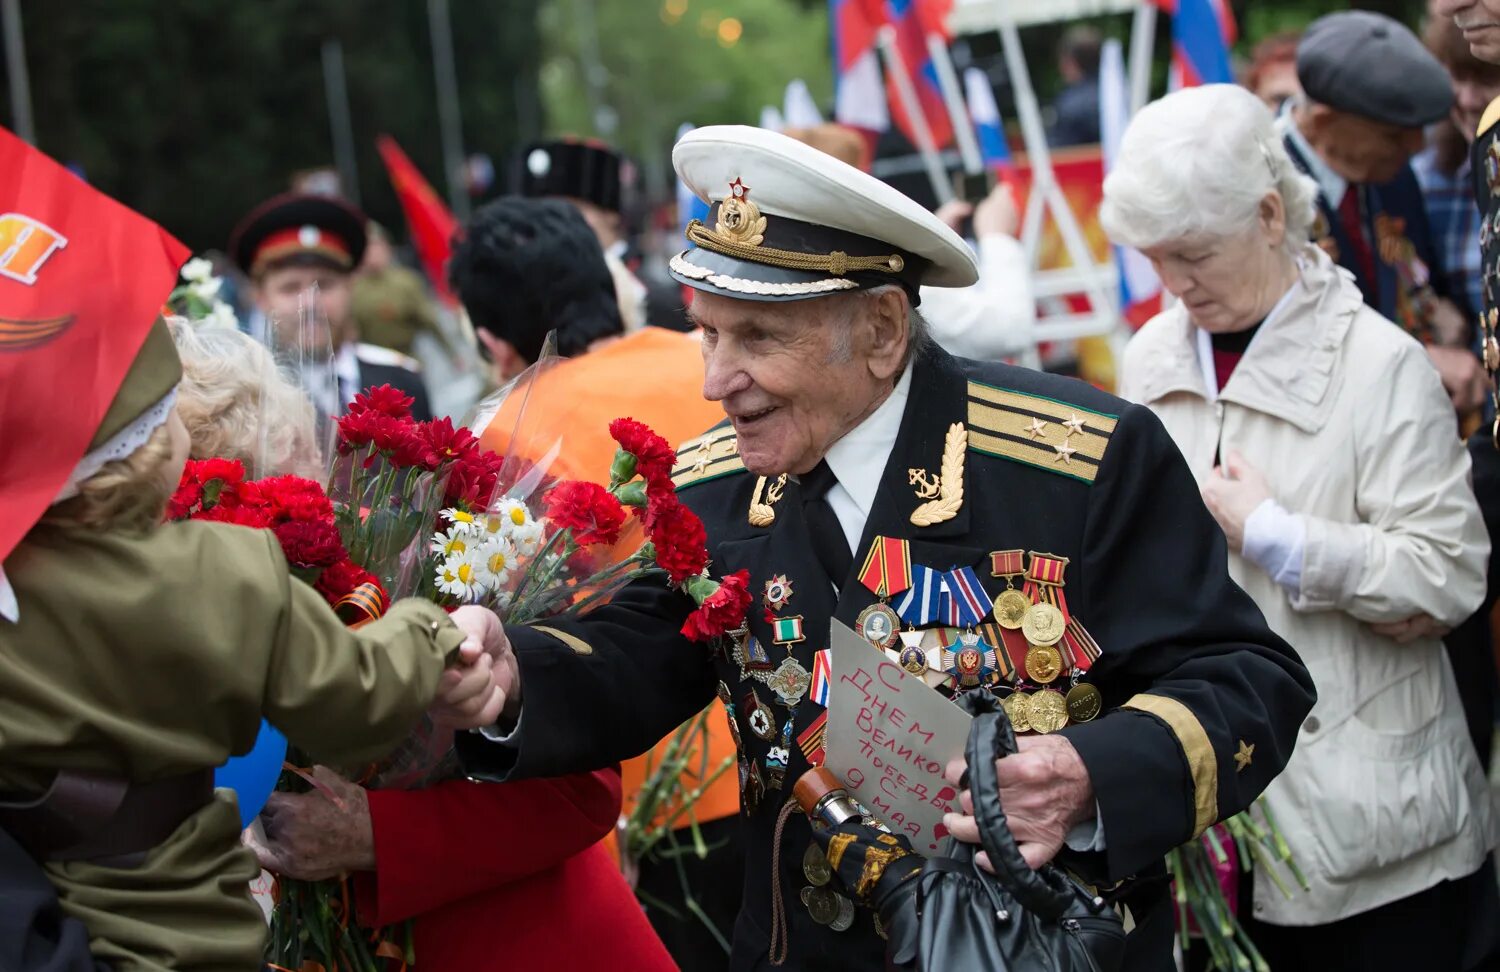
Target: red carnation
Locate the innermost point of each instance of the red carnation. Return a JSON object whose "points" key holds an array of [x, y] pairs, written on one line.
{"points": [[384, 400], [310, 543], [722, 611], [205, 483], [653, 456], [295, 498], [588, 510], [256, 517], [472, 479], [185, 500], [447, 444], [680, 540]]}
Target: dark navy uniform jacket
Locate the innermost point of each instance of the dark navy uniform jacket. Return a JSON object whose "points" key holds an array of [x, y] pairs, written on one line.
{"points": [[1189, 672]]}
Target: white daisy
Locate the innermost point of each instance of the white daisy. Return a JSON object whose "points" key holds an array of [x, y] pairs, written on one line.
{"points": [[529, 538], [462, 520], [206, 290], [197, 270], [459, 576], [497, 558], [452, 543]]}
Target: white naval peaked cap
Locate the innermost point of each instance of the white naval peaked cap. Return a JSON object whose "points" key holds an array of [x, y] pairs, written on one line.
{"points": [[789, 222]]}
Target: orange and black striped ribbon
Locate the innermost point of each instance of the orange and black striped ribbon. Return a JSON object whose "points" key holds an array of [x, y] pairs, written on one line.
{"points": [[1082, 645], [365, 603], [994, 636]]}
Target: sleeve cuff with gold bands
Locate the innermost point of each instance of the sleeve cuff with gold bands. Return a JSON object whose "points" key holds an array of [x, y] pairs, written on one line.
{"points": [[1195, 746]]}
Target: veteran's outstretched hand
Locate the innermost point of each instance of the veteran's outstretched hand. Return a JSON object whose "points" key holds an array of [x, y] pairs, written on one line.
{"points": [[484, 680]]}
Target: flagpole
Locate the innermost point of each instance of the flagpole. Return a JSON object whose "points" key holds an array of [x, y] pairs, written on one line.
{"points": [[450, 121], [953, 98], [1142, 41], [15, 69], [886, 38], [336, 90]]}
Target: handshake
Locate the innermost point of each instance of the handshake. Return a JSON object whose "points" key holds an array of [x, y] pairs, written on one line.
{"points": [[484, 680]]}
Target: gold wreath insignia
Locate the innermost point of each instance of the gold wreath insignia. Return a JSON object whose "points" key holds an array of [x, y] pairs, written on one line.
{"points": [[951, 488]]}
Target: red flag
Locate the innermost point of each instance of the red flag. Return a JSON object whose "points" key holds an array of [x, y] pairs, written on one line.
{"points": [[431, 223], [82, 279], [913, 21]]}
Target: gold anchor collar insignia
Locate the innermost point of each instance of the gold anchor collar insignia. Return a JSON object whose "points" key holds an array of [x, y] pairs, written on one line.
{"points": [[763, 501], [943, 502]]}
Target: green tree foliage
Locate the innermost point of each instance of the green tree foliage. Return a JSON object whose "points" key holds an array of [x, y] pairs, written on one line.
{"points": [[193, 111]]}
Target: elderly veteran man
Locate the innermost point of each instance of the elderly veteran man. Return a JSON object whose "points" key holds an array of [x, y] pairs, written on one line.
{"points": [[1370, 89], [852, 441]]}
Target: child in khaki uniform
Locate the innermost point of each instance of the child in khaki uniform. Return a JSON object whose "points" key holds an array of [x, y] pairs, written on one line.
{"points": [[138, 656]]}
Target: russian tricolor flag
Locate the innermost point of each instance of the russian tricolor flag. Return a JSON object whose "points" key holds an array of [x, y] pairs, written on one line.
{"points": [[1140, 288], [859, 94], [914, 20], [985, 114], [1202, 31]]}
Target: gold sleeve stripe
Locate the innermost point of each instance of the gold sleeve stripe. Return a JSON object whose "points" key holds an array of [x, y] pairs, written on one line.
{"points": [[1047, 432], [711, 436], [572, 641], [1490, 116], [1195, 745], [1047, 409], [692, 476]]}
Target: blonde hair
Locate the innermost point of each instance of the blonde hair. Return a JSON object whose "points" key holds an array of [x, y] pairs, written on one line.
{"points": [[126, 495], [237, 404]]}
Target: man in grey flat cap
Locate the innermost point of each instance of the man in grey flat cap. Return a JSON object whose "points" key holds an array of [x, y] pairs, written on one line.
{"points": [[1370, 89]]}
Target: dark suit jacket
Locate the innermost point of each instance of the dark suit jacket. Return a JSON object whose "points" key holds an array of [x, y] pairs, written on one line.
{"points": [[403, 379], [1189, 672]]}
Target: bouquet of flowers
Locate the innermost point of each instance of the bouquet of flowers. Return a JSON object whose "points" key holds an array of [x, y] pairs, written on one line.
{"points": [[1205, 876], [420, 509]]}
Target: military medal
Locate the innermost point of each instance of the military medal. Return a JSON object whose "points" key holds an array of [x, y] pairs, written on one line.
{"points": [[970, 661], [1083, 702], [758, 717], [1018, 710], [822, 904], [1043, 625], [912, 658], [752, 785], [879, 625], [734, 724], [1011, 605], [1043, 664], [776, 760], [787, 631], [790, 681], [815, 866], [752, 657], [1046, 711], [844, 920], [778, 593]]}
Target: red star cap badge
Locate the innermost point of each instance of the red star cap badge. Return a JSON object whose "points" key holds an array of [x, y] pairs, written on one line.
{"points": [[738, 189]]}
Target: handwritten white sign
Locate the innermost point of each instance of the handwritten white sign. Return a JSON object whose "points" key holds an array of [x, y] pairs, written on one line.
{"points": [[889, 739]]}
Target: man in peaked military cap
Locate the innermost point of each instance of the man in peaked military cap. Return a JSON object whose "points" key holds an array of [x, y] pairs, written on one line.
{"points": [[1370, 88], [294, 242], [1160, 701]]}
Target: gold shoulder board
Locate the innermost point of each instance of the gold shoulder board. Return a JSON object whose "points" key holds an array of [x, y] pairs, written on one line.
{"points": [[1065, 439], [1489, 118], [707, 457]]}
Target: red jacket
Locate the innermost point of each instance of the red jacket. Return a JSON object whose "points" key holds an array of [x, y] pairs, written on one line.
{"points": [[507, 876]]}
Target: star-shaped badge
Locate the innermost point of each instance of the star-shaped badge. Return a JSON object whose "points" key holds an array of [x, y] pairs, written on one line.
{"points": [[1064, 453], [1036, 429], [1243, 757], [1074, 424], [737, 189]]}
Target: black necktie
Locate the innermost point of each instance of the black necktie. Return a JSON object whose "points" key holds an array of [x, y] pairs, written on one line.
{"points": [[829, 541]]}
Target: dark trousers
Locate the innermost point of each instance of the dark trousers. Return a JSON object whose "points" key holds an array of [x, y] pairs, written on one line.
{"points": [[1451, 927], [716, 882]]}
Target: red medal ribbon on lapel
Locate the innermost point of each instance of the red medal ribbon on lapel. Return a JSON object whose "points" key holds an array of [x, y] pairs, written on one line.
{"points": [[887, 568]]}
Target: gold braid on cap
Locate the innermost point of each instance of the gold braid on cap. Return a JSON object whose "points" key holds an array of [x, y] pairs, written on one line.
{"points": [[740, 229]]}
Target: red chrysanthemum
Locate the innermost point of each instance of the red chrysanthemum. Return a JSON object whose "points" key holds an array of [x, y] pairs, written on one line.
{"points": [[722, 611], [447, 444], [654, 458], [680, 540], [384, 400], [310, 543], [588, 510]]}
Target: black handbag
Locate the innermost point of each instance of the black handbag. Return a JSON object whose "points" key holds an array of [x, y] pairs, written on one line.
{"points": [[1016, 919]]}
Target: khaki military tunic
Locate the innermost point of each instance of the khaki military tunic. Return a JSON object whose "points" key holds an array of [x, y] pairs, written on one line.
{"points": [[156, 655]]}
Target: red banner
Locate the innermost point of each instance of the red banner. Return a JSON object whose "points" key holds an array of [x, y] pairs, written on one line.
{"points": [[431, 223]]}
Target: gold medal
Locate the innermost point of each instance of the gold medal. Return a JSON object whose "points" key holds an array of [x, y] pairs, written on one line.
{"points": [[1043, 625], [822, 904], [1018, 710], [1043, 663], [844, 920], [815, 866], [1047, 711], [1010, 608], [1084, 702]]}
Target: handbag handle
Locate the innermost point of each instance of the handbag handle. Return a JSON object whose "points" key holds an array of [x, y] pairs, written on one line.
{"points": [[1045, 891]]}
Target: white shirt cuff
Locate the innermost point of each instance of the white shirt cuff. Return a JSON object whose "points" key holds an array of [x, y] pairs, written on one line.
{"points": [[496, 734], [1275, 541], [1087, 835]]}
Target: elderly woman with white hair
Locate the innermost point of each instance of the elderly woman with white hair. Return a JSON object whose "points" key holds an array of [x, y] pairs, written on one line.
{"points": [[1325, 447]]}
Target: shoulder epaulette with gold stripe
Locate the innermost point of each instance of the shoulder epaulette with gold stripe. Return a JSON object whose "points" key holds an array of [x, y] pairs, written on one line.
{"points": [[1056, 436], [707, 457]]}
